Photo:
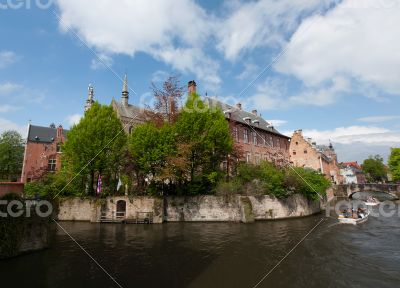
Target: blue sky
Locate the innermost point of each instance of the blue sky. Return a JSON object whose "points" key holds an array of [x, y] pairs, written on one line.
{"points": [[329, 67]]}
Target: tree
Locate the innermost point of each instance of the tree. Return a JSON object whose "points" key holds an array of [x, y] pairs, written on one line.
{"points": [[206, 133], [11, 155], [150, 146], [166, 102], [375, 169], [394, 163], [96, 145]]}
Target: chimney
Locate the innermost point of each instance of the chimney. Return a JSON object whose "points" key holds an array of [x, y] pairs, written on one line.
{"points": [[59, 131], [192, 87], [239, 106], [254, 111]]}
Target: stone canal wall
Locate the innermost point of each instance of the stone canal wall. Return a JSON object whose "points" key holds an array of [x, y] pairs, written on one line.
{"points": [[235, 208]]}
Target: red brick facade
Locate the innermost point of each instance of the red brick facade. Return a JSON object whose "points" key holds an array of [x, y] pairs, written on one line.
{"points": [[11, 187], [42, 152]]}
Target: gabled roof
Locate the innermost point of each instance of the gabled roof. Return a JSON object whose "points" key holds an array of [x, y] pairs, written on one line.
{"points": [[351, 164], [130, 111], [43, 134], [239, 115]]}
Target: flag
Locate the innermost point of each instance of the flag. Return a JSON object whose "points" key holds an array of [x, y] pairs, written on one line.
{"points": [[99, 184], [119, 184]]}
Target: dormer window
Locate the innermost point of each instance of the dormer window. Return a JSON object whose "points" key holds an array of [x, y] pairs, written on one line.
{"points": [[247, 120]]}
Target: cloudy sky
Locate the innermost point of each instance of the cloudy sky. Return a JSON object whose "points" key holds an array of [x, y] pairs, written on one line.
{"points": [[328, 67]]}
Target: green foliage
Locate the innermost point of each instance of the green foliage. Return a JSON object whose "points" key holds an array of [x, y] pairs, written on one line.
{"points": [[11, 155], [54, 184], [268, 179], [206, 134], [150, 147], [375, 169], [96, 146], [394, 163]]}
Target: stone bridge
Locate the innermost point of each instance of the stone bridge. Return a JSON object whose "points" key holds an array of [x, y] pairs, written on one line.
{"points": [[350, 189]]}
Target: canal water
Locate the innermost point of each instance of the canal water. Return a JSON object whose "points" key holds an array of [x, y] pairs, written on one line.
{"points": [[217, 255]]}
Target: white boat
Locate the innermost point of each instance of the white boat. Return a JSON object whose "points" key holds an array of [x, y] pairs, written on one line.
{"points": [[372, 202], [349, 220]]}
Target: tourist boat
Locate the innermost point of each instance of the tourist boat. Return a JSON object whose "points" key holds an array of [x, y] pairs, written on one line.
{"points": [[345, 219], [372, 201]]}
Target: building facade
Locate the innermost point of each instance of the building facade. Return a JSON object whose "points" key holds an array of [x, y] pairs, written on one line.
{"points": [[257, 139], [307, 154], [352, 173], [42, 151]]}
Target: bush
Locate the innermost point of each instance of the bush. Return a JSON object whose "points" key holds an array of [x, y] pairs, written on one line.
{"points": [[267, 179]]}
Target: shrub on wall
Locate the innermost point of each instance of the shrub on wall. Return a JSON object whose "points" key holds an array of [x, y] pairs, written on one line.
{"points": [[267, 179]]}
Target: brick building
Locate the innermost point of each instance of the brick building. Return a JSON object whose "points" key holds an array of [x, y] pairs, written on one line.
{"points": [[321, 158], [42, 151], [257, 139]]}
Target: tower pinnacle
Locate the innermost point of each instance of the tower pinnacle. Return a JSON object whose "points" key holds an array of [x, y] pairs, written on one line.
{"points": [[90, 98], [125, 92]]}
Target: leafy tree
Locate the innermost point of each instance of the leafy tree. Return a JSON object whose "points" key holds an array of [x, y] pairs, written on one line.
{"points": [[150, 147], [374, 168], [11, 155], [394, 163], [96, 146], [206, 134]]}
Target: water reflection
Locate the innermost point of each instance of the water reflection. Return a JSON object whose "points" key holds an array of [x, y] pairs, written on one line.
{"points": [[217, 255]]}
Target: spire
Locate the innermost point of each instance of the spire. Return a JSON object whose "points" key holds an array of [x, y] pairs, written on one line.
{"points": [[90, 98], [125, 91]]}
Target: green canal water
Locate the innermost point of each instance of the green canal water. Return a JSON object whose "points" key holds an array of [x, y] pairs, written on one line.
{"points": [[216, 255]]}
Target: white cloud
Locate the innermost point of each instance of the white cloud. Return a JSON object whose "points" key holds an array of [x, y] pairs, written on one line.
{"points": [[7, 58], [250, 70], [21, 93], [9, 125], [8, 108], [355, 143], [277, 122], [357, 39], [273, 94], [378, 119], [262, 23], [159, 76], [171, 31], [7, 88], [102, 61], [73, 119], [354, 134]]}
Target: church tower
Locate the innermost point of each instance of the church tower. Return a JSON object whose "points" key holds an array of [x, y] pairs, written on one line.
{"points": [[90, 98], [125, 92]]}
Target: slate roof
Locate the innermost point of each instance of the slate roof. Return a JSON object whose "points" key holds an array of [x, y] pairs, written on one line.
{"points": [[239, 115], [129, 111], [43, 134]]}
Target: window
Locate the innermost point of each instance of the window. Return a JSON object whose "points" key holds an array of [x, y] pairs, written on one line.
{"points": [[294, 152], [246, 136], [58, 148], [258, 159], [248, 157], [255, 138], [235, 134], [51, 164], [271, 141], [305, 151], [297, 143]]}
